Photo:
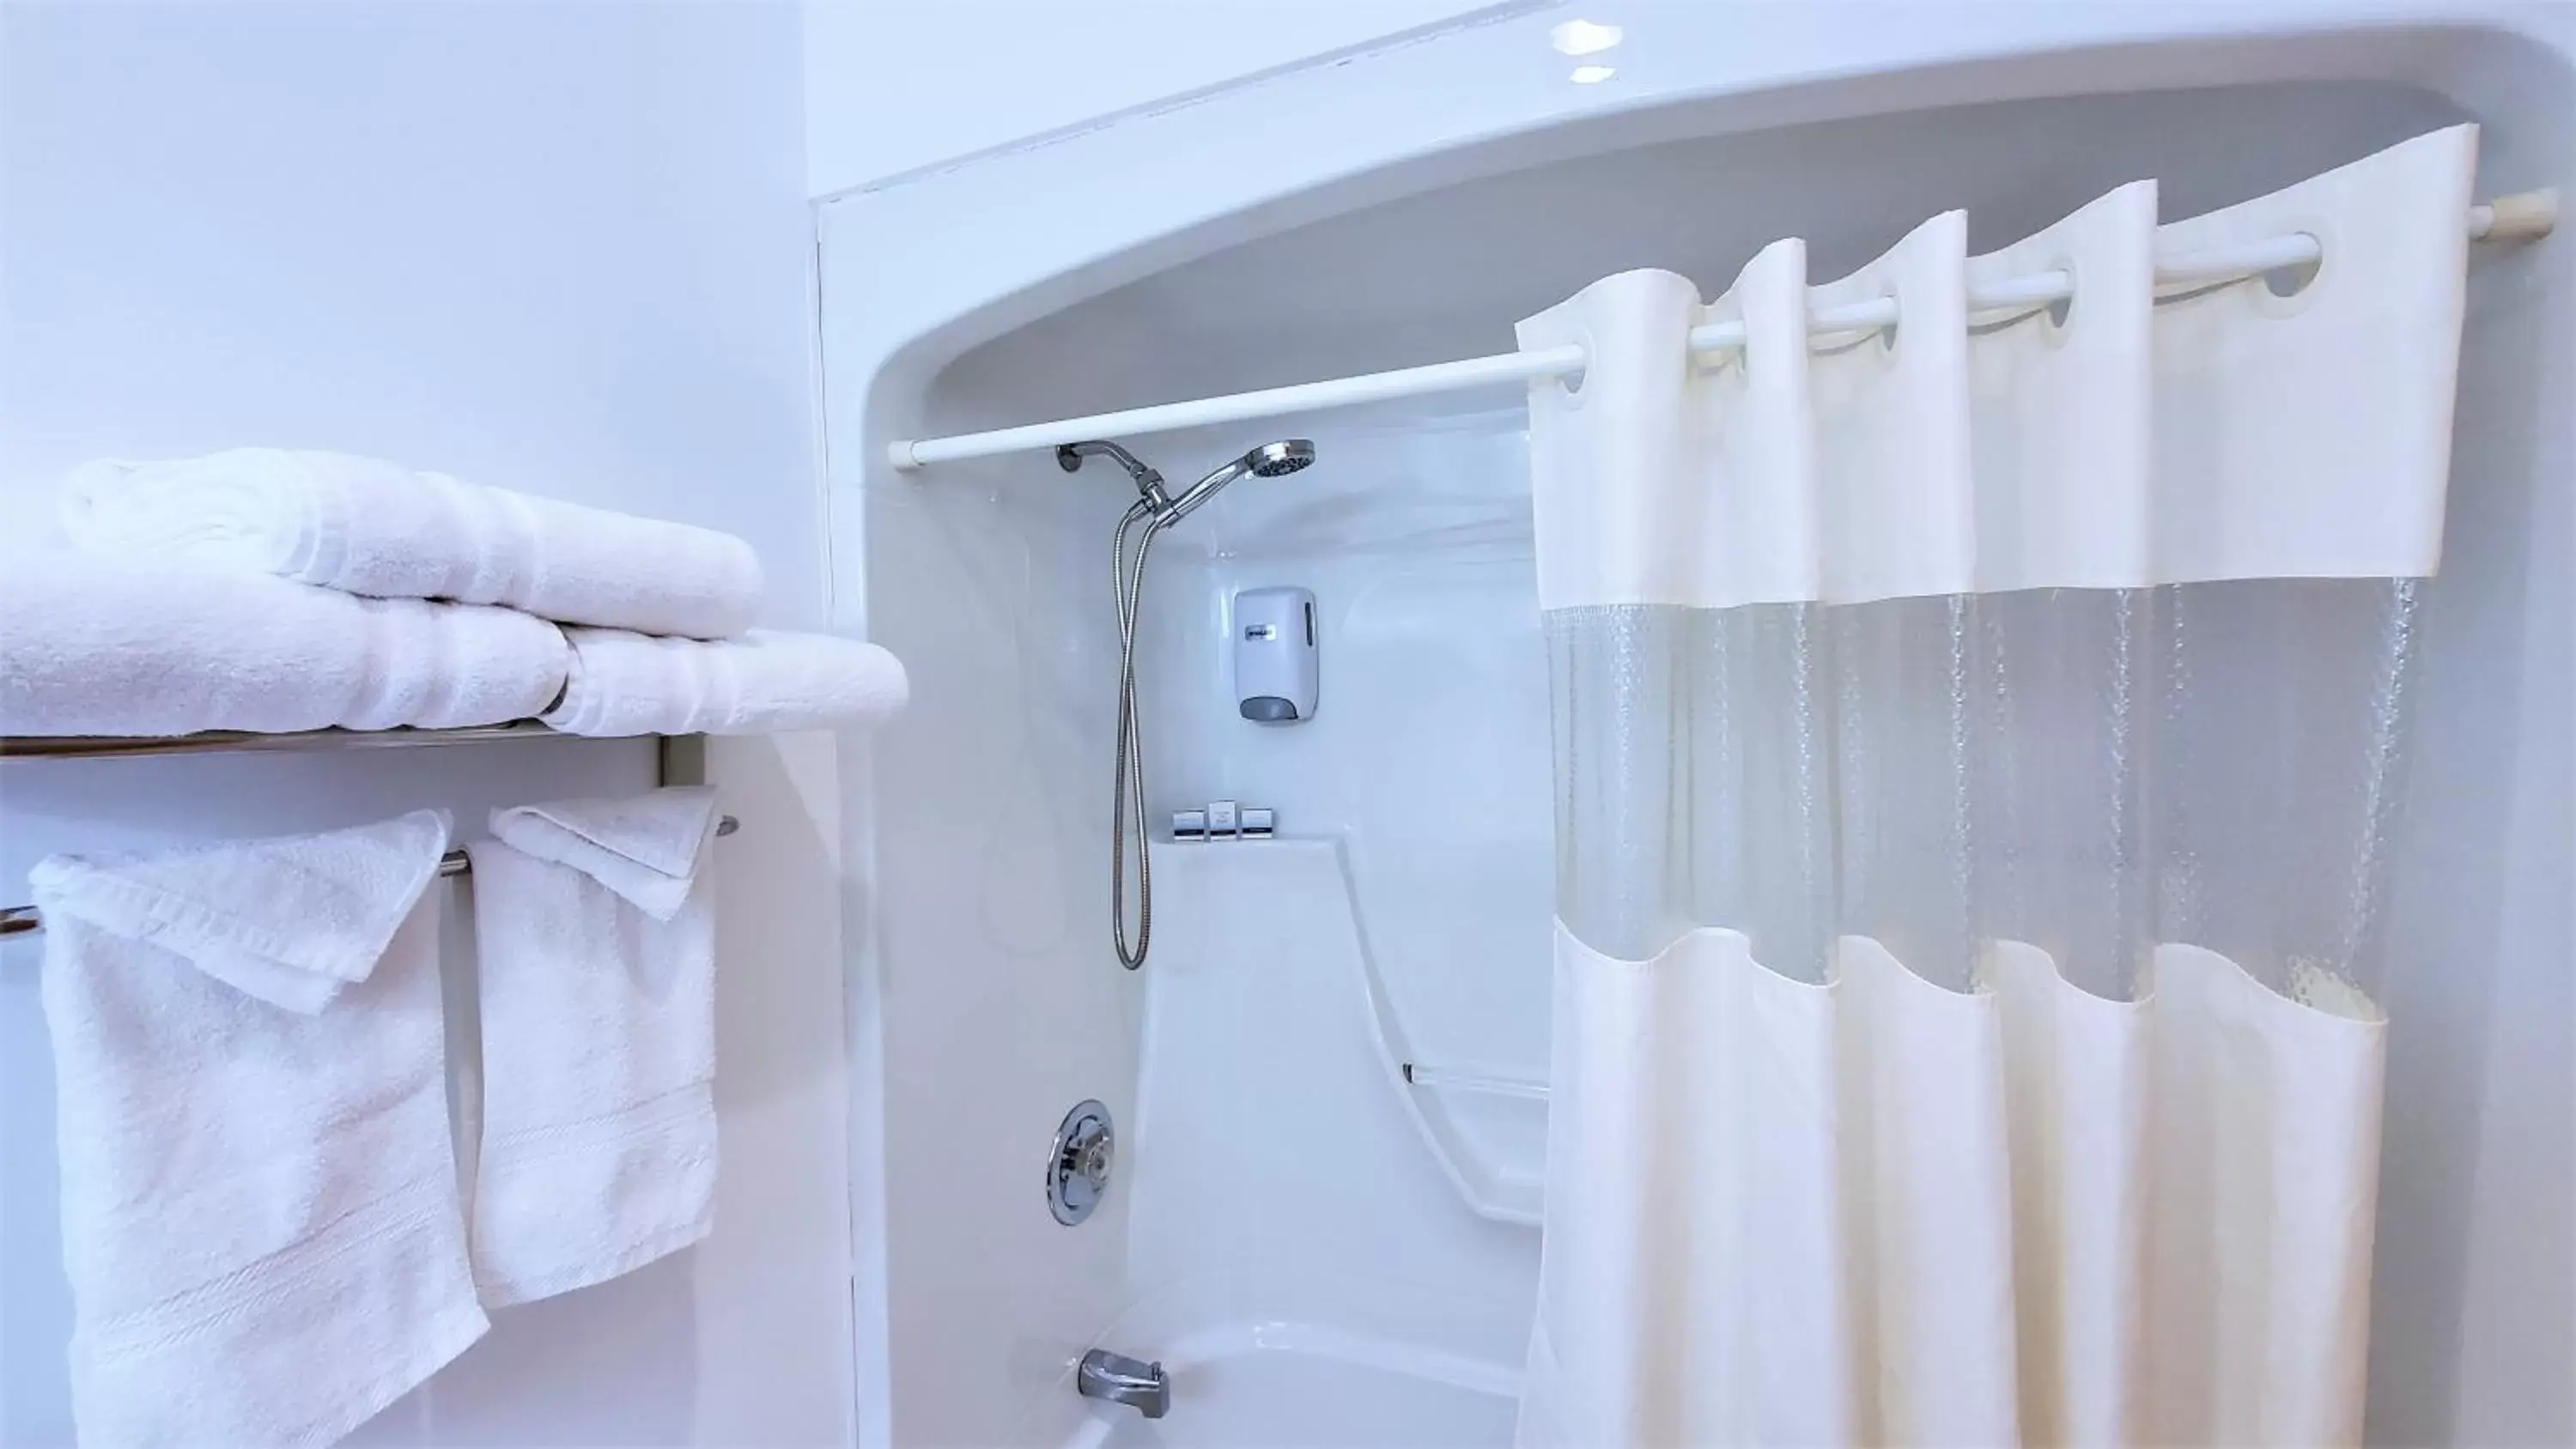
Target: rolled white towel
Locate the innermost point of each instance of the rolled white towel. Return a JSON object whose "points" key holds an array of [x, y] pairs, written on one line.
{"points": [[628, 684], [368, 527], [109, 647]]}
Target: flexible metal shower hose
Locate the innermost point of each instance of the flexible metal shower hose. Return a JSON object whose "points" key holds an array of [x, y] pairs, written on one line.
{"points": [[1127, 793]]}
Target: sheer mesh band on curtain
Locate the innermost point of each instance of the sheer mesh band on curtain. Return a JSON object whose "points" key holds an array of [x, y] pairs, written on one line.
{"points": [[1977, 750]]}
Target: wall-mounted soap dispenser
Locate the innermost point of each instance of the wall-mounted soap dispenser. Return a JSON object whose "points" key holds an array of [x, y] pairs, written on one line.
{"points": [[1274, 655]]}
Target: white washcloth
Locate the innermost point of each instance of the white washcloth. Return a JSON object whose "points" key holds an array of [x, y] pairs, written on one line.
{"points": [[368, 527], [599, 1125], [108, 647], [260, 1216], [646, 848], [627, 684]]}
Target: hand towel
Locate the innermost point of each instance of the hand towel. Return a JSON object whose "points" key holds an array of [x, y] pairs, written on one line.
{"points": [[367, 527], [108, 647], [260, 1216], [598, 1001], [627, 684]]}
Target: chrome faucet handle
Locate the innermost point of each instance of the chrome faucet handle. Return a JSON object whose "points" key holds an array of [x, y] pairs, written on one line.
{"points": [[1079, 1164], [1092, 1159]]}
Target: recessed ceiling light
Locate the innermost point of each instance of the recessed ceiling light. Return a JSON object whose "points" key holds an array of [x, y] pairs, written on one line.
{"points": [[1583, 37], [1592, 75]]}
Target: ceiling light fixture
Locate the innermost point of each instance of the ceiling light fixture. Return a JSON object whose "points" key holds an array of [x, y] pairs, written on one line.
{"points": [[1583, 37]]}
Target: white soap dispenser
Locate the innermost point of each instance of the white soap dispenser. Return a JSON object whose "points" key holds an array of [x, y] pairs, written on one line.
{"points": [[1274, 655]]}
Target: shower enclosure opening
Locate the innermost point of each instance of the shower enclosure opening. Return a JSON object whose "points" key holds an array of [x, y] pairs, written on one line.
{"points": [[1338, 1074]]}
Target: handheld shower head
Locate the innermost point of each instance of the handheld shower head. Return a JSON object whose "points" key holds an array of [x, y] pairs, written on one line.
{"points": [[1127, 778], [1270, 460], [1278, 460]]}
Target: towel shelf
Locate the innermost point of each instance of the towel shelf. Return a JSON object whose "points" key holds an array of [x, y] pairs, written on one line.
{"points": [[18, 920], [63, 747]]}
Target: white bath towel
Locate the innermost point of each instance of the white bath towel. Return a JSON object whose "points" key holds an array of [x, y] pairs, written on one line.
{"points": [[260, 1215], [628, 684], [368, 527], [110, 647], [598, 995]]}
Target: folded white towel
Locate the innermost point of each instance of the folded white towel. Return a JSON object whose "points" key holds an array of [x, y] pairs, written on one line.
{"points": [[291, 920], [260, 1215], [627, 684], [598, 997], [109, 647], [646, 848], [368, 527]]}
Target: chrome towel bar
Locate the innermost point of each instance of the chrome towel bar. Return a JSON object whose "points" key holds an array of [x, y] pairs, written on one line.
{"points": [[18, 920]]}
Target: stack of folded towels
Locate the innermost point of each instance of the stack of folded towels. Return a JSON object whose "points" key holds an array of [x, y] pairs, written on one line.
{"points": [[272, 590]]}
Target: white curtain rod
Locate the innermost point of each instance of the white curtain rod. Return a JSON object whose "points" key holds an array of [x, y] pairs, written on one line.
{"points": [[2521, 216]]}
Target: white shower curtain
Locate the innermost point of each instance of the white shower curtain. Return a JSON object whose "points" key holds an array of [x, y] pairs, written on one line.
{"points": [[1977, 749]]}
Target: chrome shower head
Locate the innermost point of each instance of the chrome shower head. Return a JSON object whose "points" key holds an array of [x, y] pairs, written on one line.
{"points": [[1270, 460], [1278, 460]]}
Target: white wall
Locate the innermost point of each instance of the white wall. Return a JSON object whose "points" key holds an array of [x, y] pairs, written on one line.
{"points": [[894, 86], [547, 246], [559, 247], [1280, 1179], [1426, 763], [1000, 1002]]}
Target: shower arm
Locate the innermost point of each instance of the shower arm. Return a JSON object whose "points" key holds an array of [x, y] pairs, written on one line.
{"points": [[1149, 482]]}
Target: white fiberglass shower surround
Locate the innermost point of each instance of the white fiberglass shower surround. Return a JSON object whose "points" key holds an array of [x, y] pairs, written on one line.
{"points": [[1330, 1080]]}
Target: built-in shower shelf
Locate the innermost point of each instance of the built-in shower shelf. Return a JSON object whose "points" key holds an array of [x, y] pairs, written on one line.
{"points": [[1491, 1189], [1485, 1084], [1497, 1193]]}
